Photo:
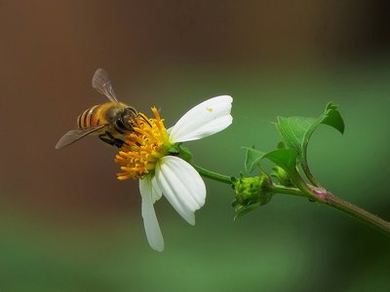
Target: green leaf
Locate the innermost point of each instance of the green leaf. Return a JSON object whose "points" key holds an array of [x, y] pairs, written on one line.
{"points": [[252, 158], [281, 145], [333, 118], [241, 210], [296, 132], [285, 158]]}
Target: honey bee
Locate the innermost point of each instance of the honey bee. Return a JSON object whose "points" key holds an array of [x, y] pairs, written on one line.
{"points": [[110, 121]]}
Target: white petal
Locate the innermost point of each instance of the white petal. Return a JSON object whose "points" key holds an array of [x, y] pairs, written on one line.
{"points": [[182, 185], [152, 228], [156, 191], [205, 119]]}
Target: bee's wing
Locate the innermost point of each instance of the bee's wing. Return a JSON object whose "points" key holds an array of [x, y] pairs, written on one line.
{"points": [[102, 83], [75, 135]]}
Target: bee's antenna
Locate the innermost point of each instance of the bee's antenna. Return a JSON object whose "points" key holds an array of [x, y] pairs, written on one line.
{"points": [[144, 118]]}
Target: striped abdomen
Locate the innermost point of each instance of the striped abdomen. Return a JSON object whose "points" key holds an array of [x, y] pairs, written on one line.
{"points": [[91, 117]]}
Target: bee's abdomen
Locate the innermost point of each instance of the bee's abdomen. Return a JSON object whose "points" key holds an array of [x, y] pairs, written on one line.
{"points": [[90, 118]]}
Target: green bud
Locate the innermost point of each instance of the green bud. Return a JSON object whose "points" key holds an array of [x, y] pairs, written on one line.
{"points": [[282, 176], [250, 193]]}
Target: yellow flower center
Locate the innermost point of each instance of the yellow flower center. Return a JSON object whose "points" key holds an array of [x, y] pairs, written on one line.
{"points": [[145, 145]]}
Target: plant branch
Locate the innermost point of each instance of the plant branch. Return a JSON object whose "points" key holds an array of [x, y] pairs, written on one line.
{"points": [[316, 194], [287, 190], [357, 212], [212, 174], [324, 197]]}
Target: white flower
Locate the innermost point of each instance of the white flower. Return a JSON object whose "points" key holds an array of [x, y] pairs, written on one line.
{"points": [[163, 174]]}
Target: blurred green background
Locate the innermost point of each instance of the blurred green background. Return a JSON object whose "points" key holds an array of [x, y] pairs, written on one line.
{"points": [[66, 223]]}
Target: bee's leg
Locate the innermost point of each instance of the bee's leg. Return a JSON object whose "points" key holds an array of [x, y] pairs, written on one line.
{"points": [[119, 143], [109, 139], [106, 139]]}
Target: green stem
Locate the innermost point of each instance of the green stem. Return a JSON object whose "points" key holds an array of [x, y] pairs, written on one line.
{"points": [[316, 194], [309, 175], [357, 212], [324, 197], [287, 190], [212, 174]]}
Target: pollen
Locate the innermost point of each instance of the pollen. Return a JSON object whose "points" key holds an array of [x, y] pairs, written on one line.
{"points": [[144, 146]]}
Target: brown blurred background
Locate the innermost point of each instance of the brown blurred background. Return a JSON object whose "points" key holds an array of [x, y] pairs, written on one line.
{"points": [[172, 54], [50, 50]]}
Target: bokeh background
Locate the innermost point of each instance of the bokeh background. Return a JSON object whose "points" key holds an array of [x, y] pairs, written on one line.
{"points": [[66, 223]]}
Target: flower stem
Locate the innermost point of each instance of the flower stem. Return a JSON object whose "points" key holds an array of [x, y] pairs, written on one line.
{"points": [[327, 198], [331, 200], [287, 190], [212, 174], [357, 212], [309, 175]]}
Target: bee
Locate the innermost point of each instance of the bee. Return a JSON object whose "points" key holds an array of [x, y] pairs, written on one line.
{"points": [[110, 121]]}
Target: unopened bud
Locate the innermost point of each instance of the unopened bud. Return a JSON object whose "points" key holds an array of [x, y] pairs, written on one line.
{"points": [[282, 176], [251, 192]]}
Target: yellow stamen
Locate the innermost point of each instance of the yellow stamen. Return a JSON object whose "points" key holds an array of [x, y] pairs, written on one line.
{"points": [[145, 145]]}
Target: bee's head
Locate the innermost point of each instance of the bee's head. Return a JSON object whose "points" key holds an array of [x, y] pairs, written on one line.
{"points": [[127, 118]]}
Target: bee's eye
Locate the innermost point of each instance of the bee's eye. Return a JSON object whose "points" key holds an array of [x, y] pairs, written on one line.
{"points": [[119, 124]]}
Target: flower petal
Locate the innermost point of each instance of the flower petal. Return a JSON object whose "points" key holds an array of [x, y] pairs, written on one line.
{"points": [[205, 119], [156, 191], [152, 228], [182, 185]]}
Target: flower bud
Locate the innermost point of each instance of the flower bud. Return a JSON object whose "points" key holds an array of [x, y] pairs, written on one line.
{"points": [[251, 192], [282, 176]]}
